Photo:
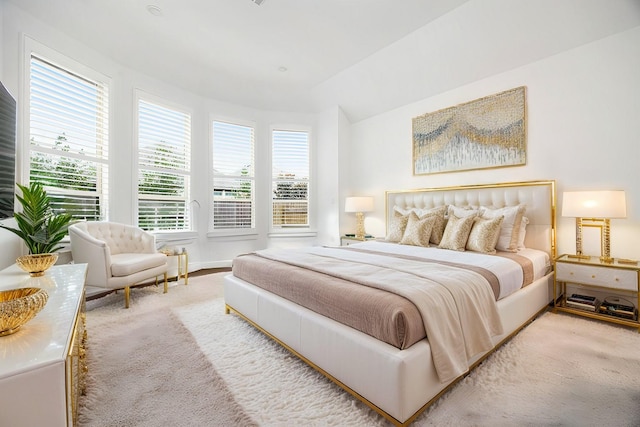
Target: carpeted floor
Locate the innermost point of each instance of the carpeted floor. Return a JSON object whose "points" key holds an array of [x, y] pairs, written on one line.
{"points": [[146, 369]]}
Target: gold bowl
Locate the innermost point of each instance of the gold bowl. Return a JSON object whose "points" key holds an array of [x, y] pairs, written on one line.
{"points": [[18, 306], [36, 265]]}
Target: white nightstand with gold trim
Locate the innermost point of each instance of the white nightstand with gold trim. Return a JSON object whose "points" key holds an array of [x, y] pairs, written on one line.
{"points": [[347, 240], [599, 279]]}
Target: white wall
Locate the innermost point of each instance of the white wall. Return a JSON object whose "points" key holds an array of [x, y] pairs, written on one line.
{"points": [[206, 250], [583, 126]]}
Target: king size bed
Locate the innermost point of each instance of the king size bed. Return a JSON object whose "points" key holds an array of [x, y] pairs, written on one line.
{"points": [[396, 322]]}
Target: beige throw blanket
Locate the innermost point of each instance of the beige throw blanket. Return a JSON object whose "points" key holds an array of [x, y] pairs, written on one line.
{"points": [[457, 305]]}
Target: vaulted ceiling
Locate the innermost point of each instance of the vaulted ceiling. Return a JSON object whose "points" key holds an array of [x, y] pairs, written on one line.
{"points": [[304, 55]]}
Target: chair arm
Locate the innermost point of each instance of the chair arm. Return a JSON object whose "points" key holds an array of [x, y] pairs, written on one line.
{"points": [[96, 253]]}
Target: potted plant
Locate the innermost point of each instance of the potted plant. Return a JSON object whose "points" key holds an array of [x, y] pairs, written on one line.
{"points": [[40, 229]]}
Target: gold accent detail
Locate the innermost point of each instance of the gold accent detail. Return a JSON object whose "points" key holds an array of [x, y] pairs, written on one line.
{"points": [[36, 264], [228, 309], [18, 306], [627, 261]]}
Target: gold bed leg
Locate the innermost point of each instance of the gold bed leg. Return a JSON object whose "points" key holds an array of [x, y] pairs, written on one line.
{"points": [[226, 309], [166, 285], [127, 292]]}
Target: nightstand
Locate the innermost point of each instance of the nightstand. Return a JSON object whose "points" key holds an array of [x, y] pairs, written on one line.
{"points": [[350, 240], [616, 282]]}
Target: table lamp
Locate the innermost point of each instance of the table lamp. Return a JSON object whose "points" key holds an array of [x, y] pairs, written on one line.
{"points": [[359, 205], [594, 209]]}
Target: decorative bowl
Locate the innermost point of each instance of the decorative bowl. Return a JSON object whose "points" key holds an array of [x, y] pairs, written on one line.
{"points": [[18, 306], [36, 265]]}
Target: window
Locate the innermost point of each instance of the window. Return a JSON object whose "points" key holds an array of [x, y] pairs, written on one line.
{"points": [[164, 167], [233, 176], [290, 181], [68, 134]]}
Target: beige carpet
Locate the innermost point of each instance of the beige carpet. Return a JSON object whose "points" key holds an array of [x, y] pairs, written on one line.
{"points": [[145, 369]]}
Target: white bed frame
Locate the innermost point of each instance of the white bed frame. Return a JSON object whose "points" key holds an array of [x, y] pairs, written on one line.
{"points": [[400, 384]]}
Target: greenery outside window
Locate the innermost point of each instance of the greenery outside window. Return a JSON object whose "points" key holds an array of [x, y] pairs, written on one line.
{"points": [[164, 167], [68, 138]]}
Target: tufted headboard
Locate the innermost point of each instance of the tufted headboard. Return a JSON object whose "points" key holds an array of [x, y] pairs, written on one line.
{"points": [[538, 196]]}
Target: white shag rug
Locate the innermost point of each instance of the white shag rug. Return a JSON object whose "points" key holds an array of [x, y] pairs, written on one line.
{"points": [[560, 370]]}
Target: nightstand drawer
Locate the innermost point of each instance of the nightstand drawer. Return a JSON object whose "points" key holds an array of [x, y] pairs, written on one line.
{"points": [[597, 276]]}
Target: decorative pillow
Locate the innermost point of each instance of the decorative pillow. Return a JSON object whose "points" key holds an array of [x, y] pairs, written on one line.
{"points": [[461, 212], [510, 230], [438, 225], [418, 230], [523, 232], [397, 226], [484, 234], [457, 232]]}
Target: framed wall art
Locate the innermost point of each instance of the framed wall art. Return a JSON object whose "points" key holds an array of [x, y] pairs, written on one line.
{"points": [[489, 132]]}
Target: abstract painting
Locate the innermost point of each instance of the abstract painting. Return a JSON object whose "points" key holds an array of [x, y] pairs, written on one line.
{"points": [[485, 133]]}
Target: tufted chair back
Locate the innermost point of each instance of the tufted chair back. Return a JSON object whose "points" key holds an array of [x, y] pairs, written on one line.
{"points": [[120, 238]]}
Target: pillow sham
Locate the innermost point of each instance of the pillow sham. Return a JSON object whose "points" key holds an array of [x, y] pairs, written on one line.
{"points": [[523, 232], [438, 226], [484, 234], [397, 225], [418, 230], [457, 232], [462, 212], [510, 229]]}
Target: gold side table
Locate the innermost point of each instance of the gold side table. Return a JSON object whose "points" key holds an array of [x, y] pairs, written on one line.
{"points": [[183, 265]]}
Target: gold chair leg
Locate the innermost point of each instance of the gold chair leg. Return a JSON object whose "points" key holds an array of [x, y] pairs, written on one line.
{"points": [[166, 285], [127, 291]]}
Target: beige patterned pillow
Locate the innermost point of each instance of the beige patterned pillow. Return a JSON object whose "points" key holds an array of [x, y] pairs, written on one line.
{"points": [[397, 226], [438, 225], [510, 229], [457, 232], [484, 235], [418, 230]]}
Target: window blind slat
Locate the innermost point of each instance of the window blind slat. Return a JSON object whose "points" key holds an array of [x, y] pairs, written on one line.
{"points": [[164, 167], [290, 185], [233, 176], [68, 150]]}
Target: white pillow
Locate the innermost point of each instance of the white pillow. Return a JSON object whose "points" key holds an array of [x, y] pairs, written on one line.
{"points": [[523, 232], [510, 229]]}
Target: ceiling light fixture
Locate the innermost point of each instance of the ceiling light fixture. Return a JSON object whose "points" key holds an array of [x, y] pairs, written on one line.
{"points": [[258, 2], [282, 69], [154, 10]]}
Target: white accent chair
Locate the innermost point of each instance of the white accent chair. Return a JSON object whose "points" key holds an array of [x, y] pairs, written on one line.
{"points": [[118, 256]]}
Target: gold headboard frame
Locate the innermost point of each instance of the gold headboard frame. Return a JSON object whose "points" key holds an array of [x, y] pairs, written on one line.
{"points": [[538, 196]]}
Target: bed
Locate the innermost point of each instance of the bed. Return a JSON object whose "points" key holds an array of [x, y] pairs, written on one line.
{"points": [[400, 370]]}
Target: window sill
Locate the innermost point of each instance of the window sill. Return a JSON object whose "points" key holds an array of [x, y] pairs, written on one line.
{"points": [[292, 233], [175, 237], [230, 235]]}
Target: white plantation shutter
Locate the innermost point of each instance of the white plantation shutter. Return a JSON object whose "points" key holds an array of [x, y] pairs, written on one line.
{"points": [[164, 167], [290, 181], [68, 150], [233, 176]]}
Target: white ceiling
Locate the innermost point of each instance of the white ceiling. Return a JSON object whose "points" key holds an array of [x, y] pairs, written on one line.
{"points": [[232, 50]]}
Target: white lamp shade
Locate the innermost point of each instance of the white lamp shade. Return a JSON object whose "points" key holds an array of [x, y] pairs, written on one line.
{"points": [[594, 204], [358, 204]]}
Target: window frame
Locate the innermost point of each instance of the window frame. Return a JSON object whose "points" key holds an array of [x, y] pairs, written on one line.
{"points": [[233, 233], [308, 230], [32, 48], [141, 95]]}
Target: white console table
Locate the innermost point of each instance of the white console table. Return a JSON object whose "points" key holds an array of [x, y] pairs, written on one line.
{"points": [[42, 364]]}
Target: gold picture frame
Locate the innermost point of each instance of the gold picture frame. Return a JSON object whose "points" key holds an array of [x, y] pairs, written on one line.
{"points": [[488, 132]]}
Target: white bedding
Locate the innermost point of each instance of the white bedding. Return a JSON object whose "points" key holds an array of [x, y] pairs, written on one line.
{"points": [[508, 272]]}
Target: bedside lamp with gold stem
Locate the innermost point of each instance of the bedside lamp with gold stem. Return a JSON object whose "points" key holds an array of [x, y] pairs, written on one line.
{"points": [[594, 209], [359, 205]]}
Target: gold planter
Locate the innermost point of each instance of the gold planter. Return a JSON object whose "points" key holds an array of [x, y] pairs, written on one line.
{"points": [[18, 306], [36, 265]]}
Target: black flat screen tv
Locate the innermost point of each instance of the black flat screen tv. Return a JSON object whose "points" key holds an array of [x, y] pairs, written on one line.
{"points": [[8, 128]]}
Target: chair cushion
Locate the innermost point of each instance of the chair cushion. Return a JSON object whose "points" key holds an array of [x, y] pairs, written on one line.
{"points": [[127, 264]]}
